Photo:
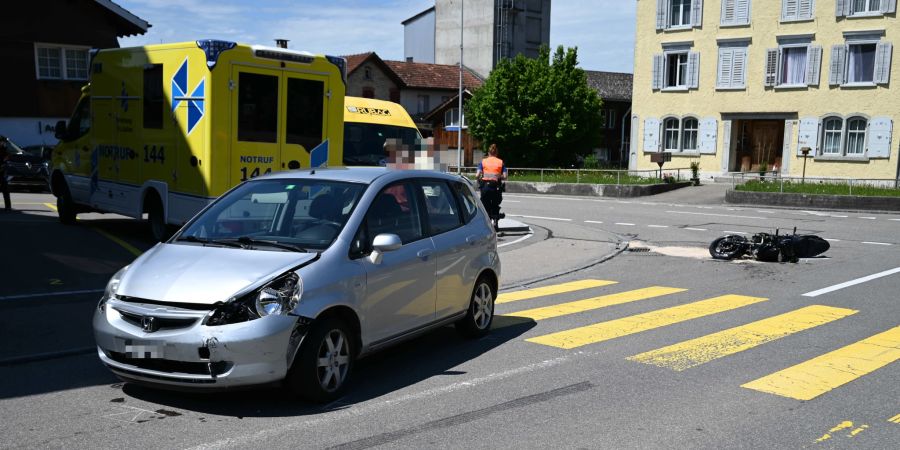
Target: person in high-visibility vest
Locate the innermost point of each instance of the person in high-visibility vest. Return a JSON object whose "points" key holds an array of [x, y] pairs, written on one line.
{"points": [[491, 175]]}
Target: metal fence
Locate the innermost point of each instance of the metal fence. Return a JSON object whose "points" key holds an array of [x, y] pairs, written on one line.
{"points": [[774, 182], [589, 176]]}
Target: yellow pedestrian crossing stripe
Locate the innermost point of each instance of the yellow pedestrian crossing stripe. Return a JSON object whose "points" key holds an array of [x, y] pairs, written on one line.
{"points": [[812, 378], [551, 290], [698, 351], [612, 329], [588, 304], [895, 419]]}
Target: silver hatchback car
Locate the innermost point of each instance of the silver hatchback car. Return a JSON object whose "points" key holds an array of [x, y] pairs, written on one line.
{"points": [[292, 276]]}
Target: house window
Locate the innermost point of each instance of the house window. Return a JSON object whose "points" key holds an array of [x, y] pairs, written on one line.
{"points": [[865, 6], [367, 74], [680, 13], [61, 63], [735, 12], [793, 66], [862, 60], [451, 117], [689, 135], [833, 127], [856, 135], [422, 106], [672, 129], [611, 118], [732, 67], [861, 63], [795, 10], [844, 137], [676, 70]]}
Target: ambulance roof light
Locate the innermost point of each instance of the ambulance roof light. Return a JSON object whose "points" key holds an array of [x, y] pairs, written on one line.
{"points": [[212, 48]]}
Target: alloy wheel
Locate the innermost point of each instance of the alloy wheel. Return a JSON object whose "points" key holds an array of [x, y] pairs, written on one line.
{"points": [[333, 360], [483, 303]]}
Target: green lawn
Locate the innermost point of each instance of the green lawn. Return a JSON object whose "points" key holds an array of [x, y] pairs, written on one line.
{"points": [[571, 176], [816, 187]]}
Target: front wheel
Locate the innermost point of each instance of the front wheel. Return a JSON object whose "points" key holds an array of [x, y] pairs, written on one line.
{"points": [[480, 315], [727, 247], [65, 207], [321, 370]]}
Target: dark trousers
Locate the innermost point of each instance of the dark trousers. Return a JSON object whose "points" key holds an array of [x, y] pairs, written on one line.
{"points": [[491, 197], [4, 187]]}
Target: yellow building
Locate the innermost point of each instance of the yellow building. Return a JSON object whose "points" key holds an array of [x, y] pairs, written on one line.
{"points": [[740, 84]]}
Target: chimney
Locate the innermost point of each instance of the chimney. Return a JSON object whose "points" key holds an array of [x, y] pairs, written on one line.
{"points": [[281, 43], [409, 59]]}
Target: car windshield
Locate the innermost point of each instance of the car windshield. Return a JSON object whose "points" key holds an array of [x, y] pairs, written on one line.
{"points": [[276, 215], [364, 142], [13, 149]]}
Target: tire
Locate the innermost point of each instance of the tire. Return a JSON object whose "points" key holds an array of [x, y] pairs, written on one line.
{"points": [[319, 374], [156, 219], [480, 314], [727, 247], [65, 207]]}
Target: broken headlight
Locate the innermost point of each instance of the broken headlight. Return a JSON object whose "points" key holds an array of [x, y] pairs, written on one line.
{"points": [[111, 288], [279, 296]]}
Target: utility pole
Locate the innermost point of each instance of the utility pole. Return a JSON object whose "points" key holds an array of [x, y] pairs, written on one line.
{"points": [[459, 133]]}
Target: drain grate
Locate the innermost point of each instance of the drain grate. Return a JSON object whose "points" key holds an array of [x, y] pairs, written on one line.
{"points": [[638, 249]]}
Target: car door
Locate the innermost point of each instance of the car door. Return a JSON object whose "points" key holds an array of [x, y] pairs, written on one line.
{"points": [[400, 289]]}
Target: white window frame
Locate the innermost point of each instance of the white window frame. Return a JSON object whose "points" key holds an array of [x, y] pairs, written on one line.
{"points": [[63, 68], [685, 74], [782, 58], [684, 131], [680, 133], [664, 16], [868, 12], [848, 131], [670, 6], [847, 46], [665, 134], [844, 138], [840, 135]]}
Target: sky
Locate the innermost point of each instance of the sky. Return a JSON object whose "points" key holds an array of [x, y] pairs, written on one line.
{"points": [[603, 30]]}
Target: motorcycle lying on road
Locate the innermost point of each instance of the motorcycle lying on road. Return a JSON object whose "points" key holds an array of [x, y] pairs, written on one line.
{"points": [[769, 247]]}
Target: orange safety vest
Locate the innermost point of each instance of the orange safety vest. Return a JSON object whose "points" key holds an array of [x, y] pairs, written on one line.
{"points": [[491, 168]]}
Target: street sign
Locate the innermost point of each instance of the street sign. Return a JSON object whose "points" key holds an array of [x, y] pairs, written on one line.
{"points": [[455, 128], [661, 158]]}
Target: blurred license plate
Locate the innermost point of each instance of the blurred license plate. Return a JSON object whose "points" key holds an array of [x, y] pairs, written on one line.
{"points": [[141, 349]]}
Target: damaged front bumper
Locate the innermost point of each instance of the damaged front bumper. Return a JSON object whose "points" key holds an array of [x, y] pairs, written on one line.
{"points": [[169, 346]]}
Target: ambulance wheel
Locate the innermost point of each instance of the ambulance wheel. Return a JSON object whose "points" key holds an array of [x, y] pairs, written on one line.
{"points": [[65, 207], [157, 219]]}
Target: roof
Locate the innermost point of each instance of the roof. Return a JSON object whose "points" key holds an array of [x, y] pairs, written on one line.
{"points": [[452, 101], [613, 86], [417, 16], [128, 23], [433, 76], [354, 61]]}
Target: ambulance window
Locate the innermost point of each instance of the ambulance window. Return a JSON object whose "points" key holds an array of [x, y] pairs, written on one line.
{"points": [[153, 97], [80, 123], [257, 107], [305, 112]]}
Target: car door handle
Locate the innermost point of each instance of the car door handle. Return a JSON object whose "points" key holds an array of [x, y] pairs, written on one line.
{"points": [[424, 254]]}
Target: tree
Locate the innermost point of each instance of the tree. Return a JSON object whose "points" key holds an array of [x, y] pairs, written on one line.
{"points": [[539, 112]]}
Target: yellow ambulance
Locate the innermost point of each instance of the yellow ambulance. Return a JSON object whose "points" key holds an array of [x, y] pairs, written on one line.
{"points": [[368, 124], [165, 129]]}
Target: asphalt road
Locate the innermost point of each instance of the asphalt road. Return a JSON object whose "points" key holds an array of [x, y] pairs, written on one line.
{"points": [[658, 348]]}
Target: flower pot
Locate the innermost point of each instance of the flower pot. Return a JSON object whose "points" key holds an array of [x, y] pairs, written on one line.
{"points": [[695, 181]]}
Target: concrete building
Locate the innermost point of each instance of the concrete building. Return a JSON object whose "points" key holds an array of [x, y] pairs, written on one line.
{"points": [[45, 46], [742, 85], [493, 30]]}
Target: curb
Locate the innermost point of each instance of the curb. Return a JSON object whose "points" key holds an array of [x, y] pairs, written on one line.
{"points": [[814, 201], [591, 190]]}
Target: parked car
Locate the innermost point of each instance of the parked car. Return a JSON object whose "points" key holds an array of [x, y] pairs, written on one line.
{"points": [[28, 167], [293, 276]]}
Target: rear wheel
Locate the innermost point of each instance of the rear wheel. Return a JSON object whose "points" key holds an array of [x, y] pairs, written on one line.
{"points": [[65, 207], [480, 315], [727, 247], [321, 370], [157, 219]]}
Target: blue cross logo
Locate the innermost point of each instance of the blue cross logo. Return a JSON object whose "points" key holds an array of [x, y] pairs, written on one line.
{"points": [[195, 101]]}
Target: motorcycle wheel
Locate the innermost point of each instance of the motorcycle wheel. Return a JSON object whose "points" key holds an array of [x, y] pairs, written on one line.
{"points": [[727, 247]]}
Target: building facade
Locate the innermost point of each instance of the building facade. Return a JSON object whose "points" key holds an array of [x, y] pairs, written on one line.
{"points": [[749, 85], [46, 47], [615, 90], [368, 76], [492, 30]]}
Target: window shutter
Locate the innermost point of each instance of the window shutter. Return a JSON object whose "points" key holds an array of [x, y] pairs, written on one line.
{"points": [[786, 147], [726, 143], [729, 12], [697, 13], [726, 61], [840, 6], [771, 66], [887, 6], [659, 63], [633, 141], [742, 12], [838, 63], [651, 134], [662, 14], [789, 9], [693, 68], [805, 9], [778, 67], [813, 64], [808, 135], [739, 69], [879, 137], [883, 62], [707, 136]]}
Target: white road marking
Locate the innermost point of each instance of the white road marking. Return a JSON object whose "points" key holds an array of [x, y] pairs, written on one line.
{"points": [[764, 211], [852, 283], [512, 201], [695, 229], [625, 224], [839, 217], [833, 240], [592, 221], [658, 226], [868, 218], [895, 220], [51, 294], [249, 440], [875, 243], [734, 232], [516, 241], [559, 219], [716, 215]]}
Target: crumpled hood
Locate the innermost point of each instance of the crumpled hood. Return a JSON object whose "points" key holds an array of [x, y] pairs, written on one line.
{"points": [[205, 275]]}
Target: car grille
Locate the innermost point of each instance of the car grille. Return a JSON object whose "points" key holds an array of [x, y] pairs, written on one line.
{"points": [[22, 167], [171, 366], [162, 323]]}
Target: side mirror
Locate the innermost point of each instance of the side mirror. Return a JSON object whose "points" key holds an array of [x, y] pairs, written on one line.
{"points": [[60, 130], [384, 242]]}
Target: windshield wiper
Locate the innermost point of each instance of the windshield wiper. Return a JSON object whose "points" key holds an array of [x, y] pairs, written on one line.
{"points": [[248, 241], [227, 243]]}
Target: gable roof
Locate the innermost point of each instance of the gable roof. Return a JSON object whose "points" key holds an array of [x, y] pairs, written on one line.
{"points": [[614, 86], [127, 24], [433, 76], [357, 60], [417, 16]]}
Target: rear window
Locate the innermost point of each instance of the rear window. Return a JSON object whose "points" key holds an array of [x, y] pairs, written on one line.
{"points": [[466, 200], [364, 142]]}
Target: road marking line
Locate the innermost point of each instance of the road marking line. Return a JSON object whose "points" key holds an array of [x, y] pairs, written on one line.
{"points": [[589, 304], [833, 240], [838, 217], [875, 243], [657, 226], [814, 377], [625, 224], [592, 221], [50, 205], [734, 232], [513, 201], [51, 294], [847, 284], [717, 215], [625, 326], [696, 229], [868, 218], [130, 248], [516, 241], [895, 220], [551, 290], [541, 217], [695, 352], [841, 426], [895, 419]]}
